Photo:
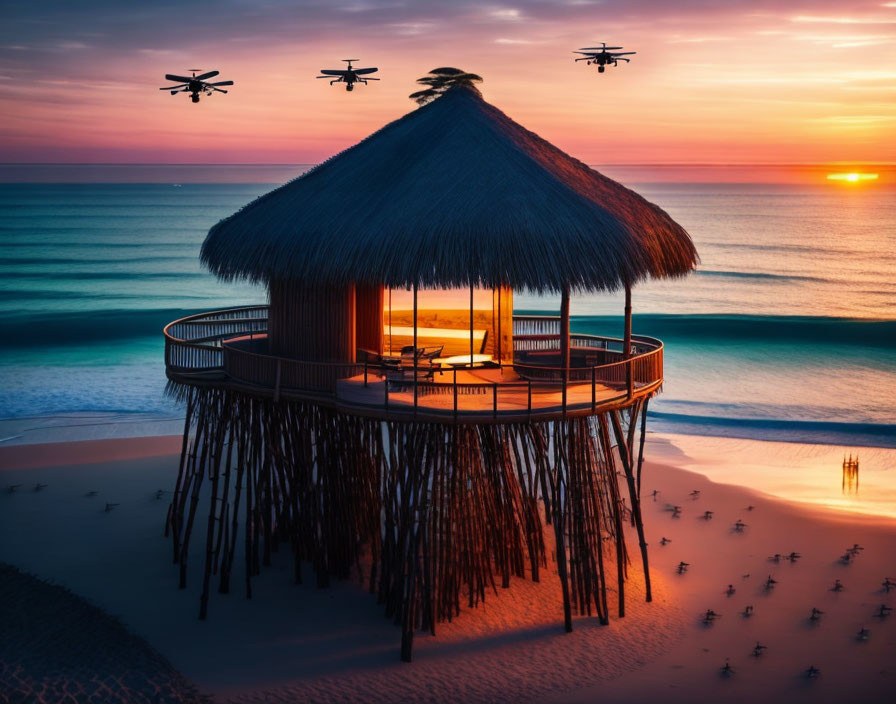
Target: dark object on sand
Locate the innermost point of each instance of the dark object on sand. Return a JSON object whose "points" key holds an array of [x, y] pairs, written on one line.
{"points": [[694, 494], [793, 557], [750, 508], [863, 634], [194, 85], [748, 611], [707, 515], [758, 649], [813, 672], [727, 670], [730, 590], [775, 558], [739, 526], [710, 616], [883, 611], [109, 507], [838, 587], [770, 583], [855, 549], [675, 510], [664, 540], [654, 494], [11, 488], [888, 584], [816, 614], [683, 567]]}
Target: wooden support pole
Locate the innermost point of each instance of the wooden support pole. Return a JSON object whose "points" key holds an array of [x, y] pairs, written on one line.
{"points": [[627, 341], [625, 455], [415, 348], [471, 325]]}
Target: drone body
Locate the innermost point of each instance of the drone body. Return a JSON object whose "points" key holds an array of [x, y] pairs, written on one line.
{"points": [[603, 56], [194, 85], [348, 75]]}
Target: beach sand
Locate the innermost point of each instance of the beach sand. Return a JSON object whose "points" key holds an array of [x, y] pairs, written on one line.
{"points": [[298, 643]]}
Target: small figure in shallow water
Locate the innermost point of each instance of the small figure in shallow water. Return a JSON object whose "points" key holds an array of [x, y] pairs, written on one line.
{"points": [[883, 611], [12, 487], [683, 567], [838, 587], [888, 584], [863, 634], [750, 508], [816, 614], [775, 558], [694, 494], [748, 611], [730, 590], [846, 558], [707, 515], [757, 651], [793, 557], [109, 507], [664, 540], [855, 549], [770, 583], [739, 526], [727, 670], [813, 672], [710, 616], [653, 494], [91, 494], [40, 487]]}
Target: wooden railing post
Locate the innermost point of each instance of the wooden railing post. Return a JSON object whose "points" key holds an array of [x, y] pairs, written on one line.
{"points": [[455, 393]]}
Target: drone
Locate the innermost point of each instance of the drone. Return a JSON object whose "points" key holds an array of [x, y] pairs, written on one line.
{"points": [[194, 85], [603, 55], [349, 75]]}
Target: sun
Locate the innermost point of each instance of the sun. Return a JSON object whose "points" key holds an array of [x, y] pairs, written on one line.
{"points": [[852, 177]]}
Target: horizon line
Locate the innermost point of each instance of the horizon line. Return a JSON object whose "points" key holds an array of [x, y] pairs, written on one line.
{"points": [[306, 163]]}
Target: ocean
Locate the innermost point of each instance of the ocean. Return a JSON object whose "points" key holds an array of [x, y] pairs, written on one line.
{"points": [[786, 332]]}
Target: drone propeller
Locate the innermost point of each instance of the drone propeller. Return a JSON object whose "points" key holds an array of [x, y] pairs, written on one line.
{"points": [[625, 53], [621, 58], [219, 90], [601, 48], [365, 71], [177, 79], [333, 72], [204, 76], [348, 61], [220, 83], [172, 88]]}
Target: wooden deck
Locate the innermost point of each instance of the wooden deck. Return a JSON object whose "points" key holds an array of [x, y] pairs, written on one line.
{"points": [[228, 349]]}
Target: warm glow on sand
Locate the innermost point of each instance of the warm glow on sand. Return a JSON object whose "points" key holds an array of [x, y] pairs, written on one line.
{"points": [[852, 177]]}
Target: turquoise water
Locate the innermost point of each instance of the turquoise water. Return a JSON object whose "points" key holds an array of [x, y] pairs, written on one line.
{"points": [[787, 331]]}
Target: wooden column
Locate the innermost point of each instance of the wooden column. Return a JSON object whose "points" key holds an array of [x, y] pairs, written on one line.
{"points": [[471, 326], [416, 356], [564, 332], [627, 340]]}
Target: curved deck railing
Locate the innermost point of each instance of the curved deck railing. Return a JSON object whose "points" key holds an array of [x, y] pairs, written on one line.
{"points": [[232, 344]]}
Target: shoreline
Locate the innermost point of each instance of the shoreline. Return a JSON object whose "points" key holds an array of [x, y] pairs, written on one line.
{"points": [[799, 472], [303, 643]]}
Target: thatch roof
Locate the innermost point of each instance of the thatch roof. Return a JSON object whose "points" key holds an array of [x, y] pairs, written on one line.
{"points": [[453, 193]]}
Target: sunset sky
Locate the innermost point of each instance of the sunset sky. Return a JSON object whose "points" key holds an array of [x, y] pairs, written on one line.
{"points": [[714, 81]]}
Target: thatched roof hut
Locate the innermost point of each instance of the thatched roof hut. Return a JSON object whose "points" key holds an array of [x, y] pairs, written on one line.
{"points": [[453, 194]]}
